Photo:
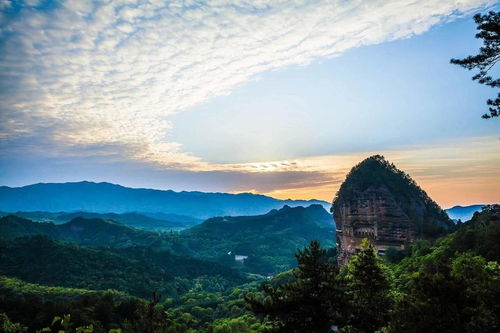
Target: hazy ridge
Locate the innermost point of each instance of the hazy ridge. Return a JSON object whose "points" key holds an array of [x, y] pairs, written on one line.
{"points": [[111, 198]]}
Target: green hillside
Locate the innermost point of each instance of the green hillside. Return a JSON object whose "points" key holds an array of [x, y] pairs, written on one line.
{"points": [[89, 232], [269, 240], [147, 221], [135, 271]]}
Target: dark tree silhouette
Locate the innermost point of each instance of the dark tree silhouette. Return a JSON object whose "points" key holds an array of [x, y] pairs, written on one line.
{"points": [[312, 302], [489, 54], [368, 292]]}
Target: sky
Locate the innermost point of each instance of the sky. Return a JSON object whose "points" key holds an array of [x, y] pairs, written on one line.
{"points": [[274, 97]]}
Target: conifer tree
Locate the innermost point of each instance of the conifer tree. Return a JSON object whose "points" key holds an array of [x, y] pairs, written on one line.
{"points": [[488, 56], [312, 302], [368, 292]]}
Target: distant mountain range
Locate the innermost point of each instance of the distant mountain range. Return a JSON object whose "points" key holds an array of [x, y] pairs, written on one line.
{"points": [[106, 198], [147, 208], [463, 213]]}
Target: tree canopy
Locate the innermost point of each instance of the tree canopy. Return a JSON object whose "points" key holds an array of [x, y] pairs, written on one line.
{"points": [[311, 302]]}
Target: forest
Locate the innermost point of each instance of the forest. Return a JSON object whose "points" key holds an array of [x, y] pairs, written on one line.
{"points": [[268, 240], [451, 284]]}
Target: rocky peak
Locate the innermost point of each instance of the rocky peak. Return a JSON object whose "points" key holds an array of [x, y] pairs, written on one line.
{"points": [[382, 203]]}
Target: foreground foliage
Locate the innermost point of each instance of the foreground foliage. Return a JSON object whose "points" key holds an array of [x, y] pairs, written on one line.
{"points": [[312, 301]]}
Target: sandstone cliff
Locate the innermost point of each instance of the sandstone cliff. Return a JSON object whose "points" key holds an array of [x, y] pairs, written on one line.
{"points": [[379, 202]]}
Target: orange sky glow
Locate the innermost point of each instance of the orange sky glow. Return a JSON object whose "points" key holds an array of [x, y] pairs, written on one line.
{"points": [[453, 173]]}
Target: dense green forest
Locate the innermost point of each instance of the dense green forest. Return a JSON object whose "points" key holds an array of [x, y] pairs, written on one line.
{"points": [[83, 231], [135, 270], [450, 285], [269, 241]]}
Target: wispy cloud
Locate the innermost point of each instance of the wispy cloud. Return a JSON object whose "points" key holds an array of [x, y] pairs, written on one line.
{"points": [[111, 73]]}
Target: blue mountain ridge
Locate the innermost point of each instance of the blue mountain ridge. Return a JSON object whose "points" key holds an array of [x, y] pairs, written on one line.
{"points": [[111, 198], [107, 198]]}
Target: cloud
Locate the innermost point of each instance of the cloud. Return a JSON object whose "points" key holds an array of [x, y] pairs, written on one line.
{"points": [[110, 73]]}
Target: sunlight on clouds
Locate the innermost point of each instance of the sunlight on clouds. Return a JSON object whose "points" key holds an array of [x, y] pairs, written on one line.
{"points": [[111, 73]]}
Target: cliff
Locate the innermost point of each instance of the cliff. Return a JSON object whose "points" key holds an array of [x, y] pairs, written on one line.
{"points": [[379, 202]]}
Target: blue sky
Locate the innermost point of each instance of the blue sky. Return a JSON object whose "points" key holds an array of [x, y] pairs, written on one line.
{"points": [[370, 98], [277, 97]]}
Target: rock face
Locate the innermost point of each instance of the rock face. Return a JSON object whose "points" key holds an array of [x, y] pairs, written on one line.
{"points": [[383, 204]]}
